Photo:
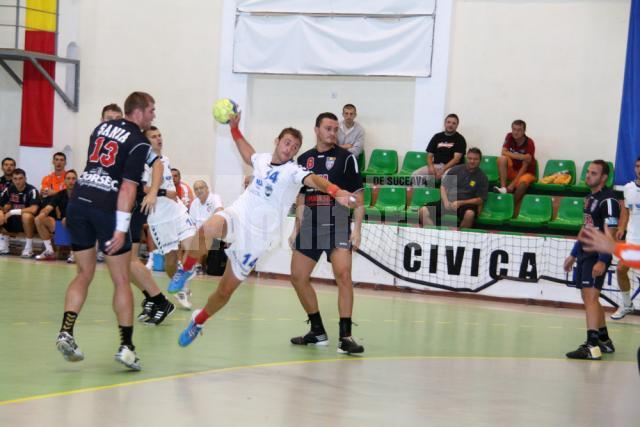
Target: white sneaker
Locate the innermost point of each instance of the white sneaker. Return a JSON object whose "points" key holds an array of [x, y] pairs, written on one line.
{"points": [[622, 311], [183, 298], [46, 256], [27, 253], [501, 190], [68, 347], [71, 259], [128, 358]]}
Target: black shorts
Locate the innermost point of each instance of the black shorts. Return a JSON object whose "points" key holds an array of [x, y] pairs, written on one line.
{"points": [[312, 244], [459, 212], [88, 224], [583, 277], [14, 224], [138, 220], [45, 201]]}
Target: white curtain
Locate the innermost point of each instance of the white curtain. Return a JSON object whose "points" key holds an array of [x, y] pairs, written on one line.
{"points": [[364, 7], [333, 45]]}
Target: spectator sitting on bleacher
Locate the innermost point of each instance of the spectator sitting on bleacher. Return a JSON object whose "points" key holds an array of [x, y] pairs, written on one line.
{"points": [[19, 204], [55, 209], [517, 162], [8, 166], [205, 204], [350, 132], [463, 191], [54, 182], [182, 188], [445, 150]]}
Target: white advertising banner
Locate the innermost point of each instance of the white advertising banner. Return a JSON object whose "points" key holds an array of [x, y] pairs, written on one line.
{"points": [[368, 7], [339, 45]]}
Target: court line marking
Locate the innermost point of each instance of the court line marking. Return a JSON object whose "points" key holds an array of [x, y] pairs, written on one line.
{"points": [[352, 359]]}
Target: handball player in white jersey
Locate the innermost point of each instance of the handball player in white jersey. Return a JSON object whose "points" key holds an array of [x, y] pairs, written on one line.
{"points": [[629, 223], [170, 224], [252, 224]]}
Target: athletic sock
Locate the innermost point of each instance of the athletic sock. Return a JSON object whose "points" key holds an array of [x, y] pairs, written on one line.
{"points": [[126, 334], [626, 298], [345, 327], [68, 322], [189, 263], [603, 333], [202, 317], [316, 324], [28, 244], [47, 245], [146, 294], [592, 337], [158, 299]]}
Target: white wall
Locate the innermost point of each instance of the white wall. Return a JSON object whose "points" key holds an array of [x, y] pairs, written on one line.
{"points": [[385, 107], [556, 64]]}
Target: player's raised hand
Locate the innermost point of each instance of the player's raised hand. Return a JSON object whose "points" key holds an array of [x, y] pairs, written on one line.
{"points": [[234, 120], [116, 243]]}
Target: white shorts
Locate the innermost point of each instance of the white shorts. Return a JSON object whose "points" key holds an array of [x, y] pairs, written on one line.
{"points": [[245, 246], [168, 235]]}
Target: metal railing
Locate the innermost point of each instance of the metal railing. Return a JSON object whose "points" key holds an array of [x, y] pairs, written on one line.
{"points": [[16, 12]]}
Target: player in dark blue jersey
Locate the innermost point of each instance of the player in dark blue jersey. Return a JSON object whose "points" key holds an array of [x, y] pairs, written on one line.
{"points": [[602, 211], [322, 226], [100, 210], [18, 207]]}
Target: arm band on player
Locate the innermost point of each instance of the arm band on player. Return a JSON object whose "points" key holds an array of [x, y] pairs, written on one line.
{"points": [[15, 212], [332, 190], [162, 192], [574, 250], [122, 221], [236, 134]]}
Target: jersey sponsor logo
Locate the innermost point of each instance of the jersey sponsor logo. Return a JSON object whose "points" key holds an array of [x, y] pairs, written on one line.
{"points": [[329, 162], [98, 179], [268, 189], [472, 183], [310, 162], [113, 132], [445, 144]]}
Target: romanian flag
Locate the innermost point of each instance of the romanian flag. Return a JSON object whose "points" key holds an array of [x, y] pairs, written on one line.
{"points": [[37, 93]]}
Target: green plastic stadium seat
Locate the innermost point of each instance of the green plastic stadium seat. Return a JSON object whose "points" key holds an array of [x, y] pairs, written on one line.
{"points": [[489, 165], [556, 166], [390, 204], [570, 214], [413, 160], [382, 162], [497, 210], [581, 187], [535, 211], [421, 196]]}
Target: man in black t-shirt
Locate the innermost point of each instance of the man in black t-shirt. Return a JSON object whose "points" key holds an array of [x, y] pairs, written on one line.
{"points": [[445, 150], [100, 210], [601, 211], [54, 209], [8, 166], [18, 207], [324, 226]]}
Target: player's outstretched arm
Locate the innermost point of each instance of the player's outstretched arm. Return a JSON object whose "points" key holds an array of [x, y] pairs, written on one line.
{"points": [[246, 150], [126, 199], [343, 197]]}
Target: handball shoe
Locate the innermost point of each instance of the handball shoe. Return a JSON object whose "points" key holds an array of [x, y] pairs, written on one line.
{"points": [[311, 339], [586, 351], [46, 256], [606, 346], [147, 309], [66, 345], [191, 332], [348, 345], [179, 280], [128, 358], [622, 311], [160, 313], [184, 298]]}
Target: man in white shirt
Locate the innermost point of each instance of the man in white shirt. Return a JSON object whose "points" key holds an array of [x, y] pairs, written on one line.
{"points": [[205, 204], [350, 132], [629, 223]]}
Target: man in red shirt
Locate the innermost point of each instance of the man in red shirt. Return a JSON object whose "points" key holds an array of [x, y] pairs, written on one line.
{"points": [[517, 163]]}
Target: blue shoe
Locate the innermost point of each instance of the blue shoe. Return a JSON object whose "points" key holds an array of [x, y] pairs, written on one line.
{"points": [[191, 332], [179, 280]]}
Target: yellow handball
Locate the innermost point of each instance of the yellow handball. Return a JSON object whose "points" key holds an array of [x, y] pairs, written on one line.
{"points": [[224, 109]]}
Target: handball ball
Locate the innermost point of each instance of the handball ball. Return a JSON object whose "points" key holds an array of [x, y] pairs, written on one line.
{"points": [[224, 109]]}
